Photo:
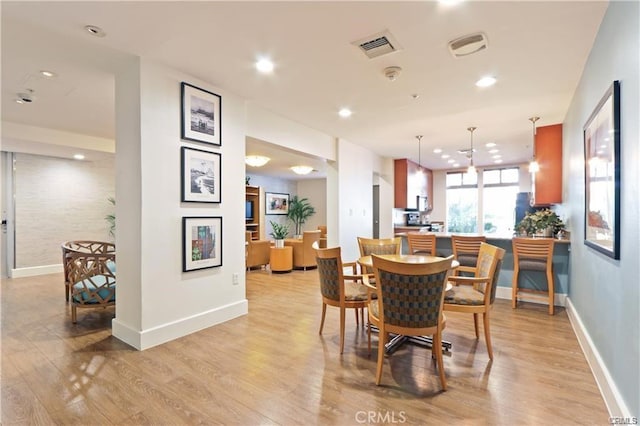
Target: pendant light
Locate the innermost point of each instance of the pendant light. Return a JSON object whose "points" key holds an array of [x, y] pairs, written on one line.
{"points": [[419, 137], [533, 165], [471, 168]]}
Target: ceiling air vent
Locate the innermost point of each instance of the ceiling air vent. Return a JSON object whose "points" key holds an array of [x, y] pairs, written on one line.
{"points": [[377, 44], [468, 45]]}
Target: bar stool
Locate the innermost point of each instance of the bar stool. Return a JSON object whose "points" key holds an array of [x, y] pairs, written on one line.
{"points": [[465, 251], [420, 243], [533, 254]]}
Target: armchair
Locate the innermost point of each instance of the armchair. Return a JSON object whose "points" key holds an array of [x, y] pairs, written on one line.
{"points": [[304, 255], [257, 252]]}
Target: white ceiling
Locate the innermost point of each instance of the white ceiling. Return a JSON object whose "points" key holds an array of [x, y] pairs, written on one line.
{"points": [[537, 51]]}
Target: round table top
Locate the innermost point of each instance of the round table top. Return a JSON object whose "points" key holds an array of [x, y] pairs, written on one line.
{"points": [[407, 258]]}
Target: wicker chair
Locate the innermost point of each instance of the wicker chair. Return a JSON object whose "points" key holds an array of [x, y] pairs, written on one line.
{"points": [[90, 274], [477, 298], [410, 298], [338, 289]]}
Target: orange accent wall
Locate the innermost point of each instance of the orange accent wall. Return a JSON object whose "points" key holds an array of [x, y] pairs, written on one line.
{"points": [[548, 184]]}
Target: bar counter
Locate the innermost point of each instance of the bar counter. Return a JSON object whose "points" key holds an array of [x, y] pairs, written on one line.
{"points": [[528, 279]]}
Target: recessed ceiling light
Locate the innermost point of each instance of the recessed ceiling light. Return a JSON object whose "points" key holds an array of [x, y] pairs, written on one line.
{"points": [[455, 165], [494, 151], [498, 161], [449, 2], [437, 151], [490, 145], [95, 31], [497, 156], [486, 81], [344, 112], [451, 161], [264, 65], [47, 74], [445, 156], [19, 101], [78, 156]]}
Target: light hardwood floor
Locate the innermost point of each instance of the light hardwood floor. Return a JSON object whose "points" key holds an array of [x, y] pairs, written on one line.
{"points": [[272, 367]]}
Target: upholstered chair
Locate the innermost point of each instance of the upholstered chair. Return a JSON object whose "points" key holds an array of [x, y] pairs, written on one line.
{"points": [[409, 302], [323, 236], [257, 252], [304, 255], [465, 251], [337, 289], [475, 294], [533, 254], [369, 246]]}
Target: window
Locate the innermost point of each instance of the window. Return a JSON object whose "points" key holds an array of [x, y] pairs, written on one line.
{"points": [[482, 202], [462, 202]]}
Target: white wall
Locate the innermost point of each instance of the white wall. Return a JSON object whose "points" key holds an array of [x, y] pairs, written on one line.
{"points": [[157, 302], [605, 292], [316, 191], [58, 200]]}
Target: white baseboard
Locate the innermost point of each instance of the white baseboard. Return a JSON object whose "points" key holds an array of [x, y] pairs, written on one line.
{"points": [[505, 293], [149, 338], [612, 398], [32, 271]]}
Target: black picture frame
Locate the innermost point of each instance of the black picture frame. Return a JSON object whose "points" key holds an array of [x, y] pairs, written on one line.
{"points": [[201, 115], [201, 243], [201, 176], [602, 175], [276, 203]]}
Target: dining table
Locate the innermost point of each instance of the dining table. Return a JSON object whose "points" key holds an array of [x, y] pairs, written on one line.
{"points": [[398, 340]]}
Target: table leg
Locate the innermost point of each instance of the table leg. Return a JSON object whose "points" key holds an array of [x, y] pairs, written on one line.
{"points": [[398, 340]]}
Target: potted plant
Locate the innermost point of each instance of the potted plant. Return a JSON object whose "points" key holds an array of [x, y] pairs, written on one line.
{"points": [[545, 223], [299, 211], [111, 218], [279, 232]]}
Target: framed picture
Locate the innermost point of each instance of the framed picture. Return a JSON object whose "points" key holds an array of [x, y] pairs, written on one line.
{"points": [[201, 243], [201, 115], [201, 175], [276, 203], [602, 175]]}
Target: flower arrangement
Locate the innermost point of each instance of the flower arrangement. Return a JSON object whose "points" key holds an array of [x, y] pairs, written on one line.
{"points": [[541, 221]]}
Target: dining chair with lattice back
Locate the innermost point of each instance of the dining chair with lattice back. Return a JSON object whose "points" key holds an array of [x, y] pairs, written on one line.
{"points": [[337, 289], [476, 294], [421, 243], [409, 302], [533, 254], [369, 246], [465, 250]]}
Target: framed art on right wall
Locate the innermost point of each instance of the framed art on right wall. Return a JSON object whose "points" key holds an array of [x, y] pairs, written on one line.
{"points": [[602, 175]]}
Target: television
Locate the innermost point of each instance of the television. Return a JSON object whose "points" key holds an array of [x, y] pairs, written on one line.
{"points": [[248, 210]]}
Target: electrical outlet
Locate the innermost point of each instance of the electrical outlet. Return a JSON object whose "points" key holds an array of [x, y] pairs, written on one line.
{"points": [[235, 278]]}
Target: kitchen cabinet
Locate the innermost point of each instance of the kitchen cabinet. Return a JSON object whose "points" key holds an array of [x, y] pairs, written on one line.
{"points": [[413, 187], [547, 183]]}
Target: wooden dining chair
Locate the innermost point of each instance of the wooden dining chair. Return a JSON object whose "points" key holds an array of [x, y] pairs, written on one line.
{"points": [[337, 289], [533, 254], [369, 246], [465, 250], [421, 243], [410, 298], [475, 294]]}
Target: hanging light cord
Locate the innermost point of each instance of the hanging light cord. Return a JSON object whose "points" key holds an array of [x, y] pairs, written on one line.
{"points": [[471, 129], [419, 137]]}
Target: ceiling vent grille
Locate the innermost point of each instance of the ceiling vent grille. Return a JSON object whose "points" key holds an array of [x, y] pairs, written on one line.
{"points": [[468, 45], [378, 44]]}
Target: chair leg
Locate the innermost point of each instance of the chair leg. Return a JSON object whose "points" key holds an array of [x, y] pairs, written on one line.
{"points": [[487, 334], [369, 337], [382, 340], [342, 320], [475, 324], [437, 343], [551, 286], [73, 314], [357, 318], [514, 289], [66, 291], [324, 311], [362, 315]]}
